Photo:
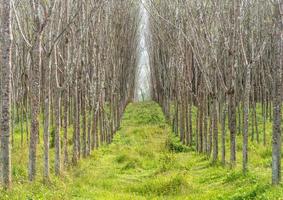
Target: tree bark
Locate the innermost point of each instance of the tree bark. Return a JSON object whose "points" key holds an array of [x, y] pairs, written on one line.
{"points": [[246, 118], [277, 97], [215, 131], [6, 67], [35, 106]]}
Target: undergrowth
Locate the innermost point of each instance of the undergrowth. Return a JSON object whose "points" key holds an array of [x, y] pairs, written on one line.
{"points": [[147, 161]]}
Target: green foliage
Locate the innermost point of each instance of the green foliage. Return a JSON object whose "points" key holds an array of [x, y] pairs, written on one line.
{"points": [[173, 144], [162, 187], [121, 158], [167, 162], [147, 113], [255, 193]]}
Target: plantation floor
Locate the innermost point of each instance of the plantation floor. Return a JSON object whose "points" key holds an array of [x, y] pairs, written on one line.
{"points": [[145, 161]]}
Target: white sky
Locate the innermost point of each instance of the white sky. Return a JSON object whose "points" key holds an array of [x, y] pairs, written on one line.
{"points": [[143, 78]]}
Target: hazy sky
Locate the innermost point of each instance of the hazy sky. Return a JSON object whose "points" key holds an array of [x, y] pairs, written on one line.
{"points": [[143, 81]]}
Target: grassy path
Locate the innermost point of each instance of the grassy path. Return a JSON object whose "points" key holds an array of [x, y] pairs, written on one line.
{"points": [[128, 168], [146, 162]]}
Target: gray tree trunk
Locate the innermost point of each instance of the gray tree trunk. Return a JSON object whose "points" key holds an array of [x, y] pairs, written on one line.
{"points": [[215, 130], [65, 127], [277, 98], [57, 132], [46, 133], [6, 66], [223, 137], [75, 122], [232, 122], [246, 118], [35, 107]]}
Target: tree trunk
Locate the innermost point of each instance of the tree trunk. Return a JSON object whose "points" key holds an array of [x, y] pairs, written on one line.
{"points": [[89, 120], [57, 103], [35, 107], [46, 123], [65, 127], [6, 67], [232, 122], [83, 109], [224, 113], [215, 130], [277, 97], [246, 118], [75, 123]]}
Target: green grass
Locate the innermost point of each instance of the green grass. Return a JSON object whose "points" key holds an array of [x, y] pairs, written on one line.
{"points": [[145, 161]]}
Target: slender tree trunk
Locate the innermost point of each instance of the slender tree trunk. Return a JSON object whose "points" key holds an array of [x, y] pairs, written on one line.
{"points": [[57, 104], [75, 123], [6, 67], [22, 127], [210, 136], [205, 127], [190, 122], [215, 131], [35, 107], [246, 118], [277, 97], [65, 127], [101, 127], [46, 123], [232, 120], [94, 130], [186, 119], [264, 120], [84, 146], [200, 125], [182, 122], [89, 119], [224, 113]]}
